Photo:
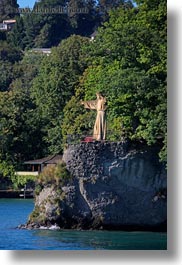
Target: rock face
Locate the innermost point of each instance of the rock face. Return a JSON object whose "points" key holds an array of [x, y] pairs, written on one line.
{"points": [[113, 186]]}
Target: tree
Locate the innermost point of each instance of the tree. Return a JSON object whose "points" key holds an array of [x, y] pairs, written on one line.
{"points": [[8, 9], [16, 37], [54, 85], [128, 63], [6, 76], [32, 29], [49, 28], [9, 53], [46, 27], [77, 121], [105, 6], [26, 69], [82, 23], [8, 57], [43, 39], [40, 95], [20, 127]]}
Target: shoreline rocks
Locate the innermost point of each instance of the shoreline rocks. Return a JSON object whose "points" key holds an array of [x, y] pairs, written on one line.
{"points": [[114, 186]]}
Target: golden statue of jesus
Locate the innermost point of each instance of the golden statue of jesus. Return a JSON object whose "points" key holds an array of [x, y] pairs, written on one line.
{"points": [[100, 124]]}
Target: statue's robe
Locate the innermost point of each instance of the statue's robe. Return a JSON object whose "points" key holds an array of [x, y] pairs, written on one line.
{"points": [[100, 123]]}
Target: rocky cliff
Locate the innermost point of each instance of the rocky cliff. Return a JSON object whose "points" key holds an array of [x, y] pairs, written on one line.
{"points": [[113, 186]]}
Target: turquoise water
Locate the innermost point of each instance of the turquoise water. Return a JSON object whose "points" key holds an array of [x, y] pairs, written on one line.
{"points": [[15, 211]]}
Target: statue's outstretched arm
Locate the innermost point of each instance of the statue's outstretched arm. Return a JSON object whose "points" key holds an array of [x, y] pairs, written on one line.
{"points": [[91, 104]]}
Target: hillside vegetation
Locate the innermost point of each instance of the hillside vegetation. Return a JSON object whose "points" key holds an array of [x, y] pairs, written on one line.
{"points": [[40, 95]]}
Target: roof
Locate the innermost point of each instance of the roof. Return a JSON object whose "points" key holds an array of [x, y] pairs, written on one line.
{"points": [[9, 21], [43, 50], [52, 159]]}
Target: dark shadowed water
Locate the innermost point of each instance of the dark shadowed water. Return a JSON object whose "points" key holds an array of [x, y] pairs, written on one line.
{"points": [[14, 212]]}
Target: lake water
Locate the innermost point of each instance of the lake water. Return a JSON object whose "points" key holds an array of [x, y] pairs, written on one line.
{"points": [[14, 212]]}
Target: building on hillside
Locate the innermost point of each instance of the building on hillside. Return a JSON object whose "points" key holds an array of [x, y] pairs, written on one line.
{"points": [[35, 167], [7, 25], [46, 51]]}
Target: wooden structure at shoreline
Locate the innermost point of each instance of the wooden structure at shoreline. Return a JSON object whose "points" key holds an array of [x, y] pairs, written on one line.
{"points": [[35, 167], [23, 193]]}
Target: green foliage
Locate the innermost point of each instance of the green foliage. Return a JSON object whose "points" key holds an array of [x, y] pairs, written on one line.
{"points": [[17, 35], [163, 152], [35, 213], [7, 172], [6, 169], [6, 75], [54, 175], [128, 64], [21, 181], [8, 57], [43, 39], [47, 29], [26, 70], [40, 95], [38, 215], [54, 85], [76, 120], [9, 53], [7, 9], [38, 189], [19, 128]]}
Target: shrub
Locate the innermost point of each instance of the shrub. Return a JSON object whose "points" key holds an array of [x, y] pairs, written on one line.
{"points": [[54, 174]]}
